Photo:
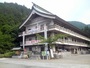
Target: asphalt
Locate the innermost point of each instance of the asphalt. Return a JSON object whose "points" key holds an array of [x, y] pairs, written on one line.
{"points": [[74, 61]]}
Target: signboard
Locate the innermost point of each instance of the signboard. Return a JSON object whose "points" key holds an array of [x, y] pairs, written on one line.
{"points": [[32, 42], [43, 53]]}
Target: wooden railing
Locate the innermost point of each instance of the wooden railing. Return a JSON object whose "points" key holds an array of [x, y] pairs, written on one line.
{"points": [[68, 31]]}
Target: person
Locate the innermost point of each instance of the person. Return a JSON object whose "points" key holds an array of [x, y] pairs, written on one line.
{"points": [[59, 54]]}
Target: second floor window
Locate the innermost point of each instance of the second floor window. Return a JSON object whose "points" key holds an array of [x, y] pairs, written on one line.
{"points": [[35, 27], [29, 29], [42, 27]]}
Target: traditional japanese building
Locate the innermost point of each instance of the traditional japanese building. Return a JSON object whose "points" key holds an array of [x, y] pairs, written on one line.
{"points": [[45, 23]]}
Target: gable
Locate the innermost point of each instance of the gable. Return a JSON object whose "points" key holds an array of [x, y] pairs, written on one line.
{"points": [[36, 20], [36, 10]]}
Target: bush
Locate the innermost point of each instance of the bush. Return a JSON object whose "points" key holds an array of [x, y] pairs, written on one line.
{"points": [[1, 55], [7, 55]]}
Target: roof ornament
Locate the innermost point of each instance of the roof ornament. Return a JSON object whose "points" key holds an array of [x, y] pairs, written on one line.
{"points": [[40, 9]]}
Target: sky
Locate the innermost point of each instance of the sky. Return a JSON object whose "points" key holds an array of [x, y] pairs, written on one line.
{"points": [[69, 10]]}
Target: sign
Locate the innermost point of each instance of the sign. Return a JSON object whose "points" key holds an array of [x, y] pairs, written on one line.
{"points": [[43, 53], [32, 42]]}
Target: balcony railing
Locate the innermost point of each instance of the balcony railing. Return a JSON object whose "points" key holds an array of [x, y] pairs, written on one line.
{"points": [[60, 41], [32, 42], [67, 31], [70, 42], [34, 31]]}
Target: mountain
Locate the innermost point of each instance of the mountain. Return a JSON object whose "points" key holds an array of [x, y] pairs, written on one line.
{"points": [[88, 25], [11, 13], [85, 28], [77, 24], [11, 16]]}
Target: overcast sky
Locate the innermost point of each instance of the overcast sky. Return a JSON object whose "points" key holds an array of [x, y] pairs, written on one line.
{"points": [[69, 10]]}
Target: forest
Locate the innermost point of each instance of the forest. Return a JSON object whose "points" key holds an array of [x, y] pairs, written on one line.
{"points": [[11, 16]]}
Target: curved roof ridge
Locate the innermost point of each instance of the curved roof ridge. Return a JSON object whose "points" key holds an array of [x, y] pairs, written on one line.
{"points": [[40, 9]]}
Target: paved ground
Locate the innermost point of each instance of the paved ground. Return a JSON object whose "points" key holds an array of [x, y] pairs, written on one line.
{"points": [[74, 61]]}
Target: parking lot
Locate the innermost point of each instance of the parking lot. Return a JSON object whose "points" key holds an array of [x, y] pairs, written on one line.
{"points": [[74, 61]]}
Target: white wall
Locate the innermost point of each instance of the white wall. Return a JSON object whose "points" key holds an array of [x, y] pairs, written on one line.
{"points": [[36, 23]]}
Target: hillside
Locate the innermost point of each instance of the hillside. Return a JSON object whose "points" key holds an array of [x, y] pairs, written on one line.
{"points": [[88, 25], [82, 26], [77, 24], [11, 15]]}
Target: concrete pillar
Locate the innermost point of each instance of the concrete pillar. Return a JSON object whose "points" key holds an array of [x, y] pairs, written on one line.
{"points": [[82, 51], [45, 31], [53, 48], [78, 50], [74, 50], [23, 40], [45, 36]]}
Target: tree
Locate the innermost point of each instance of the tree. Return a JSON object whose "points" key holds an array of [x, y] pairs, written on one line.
{"points": [[87, 31], [51, 39], [11, 16]]}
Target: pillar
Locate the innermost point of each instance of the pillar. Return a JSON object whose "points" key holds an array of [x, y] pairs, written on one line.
{"points": [[46, 44], [23, 40]]}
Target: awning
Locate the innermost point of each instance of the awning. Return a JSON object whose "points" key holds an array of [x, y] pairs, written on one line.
{"points": [[17, 48]]}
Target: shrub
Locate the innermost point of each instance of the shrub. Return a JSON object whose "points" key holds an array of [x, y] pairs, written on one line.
{"points": [[7, 55], [1, 55]]}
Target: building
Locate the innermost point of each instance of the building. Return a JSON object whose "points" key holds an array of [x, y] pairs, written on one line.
{"points": [[45, 23]]}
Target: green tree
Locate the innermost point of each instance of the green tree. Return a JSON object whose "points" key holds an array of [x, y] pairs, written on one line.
{"points": [[11, 16], [87, 31], [51, 39]]}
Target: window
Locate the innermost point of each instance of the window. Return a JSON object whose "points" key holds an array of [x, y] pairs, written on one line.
{"points": [[42, 27], [72, 39], [30, 39], [35, 27], [66, 38], [29, 29]]}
